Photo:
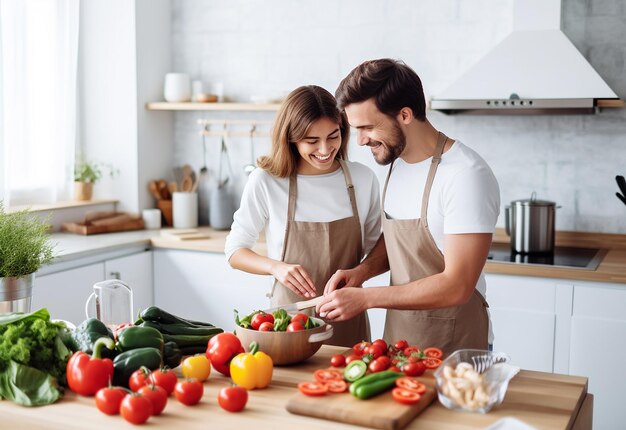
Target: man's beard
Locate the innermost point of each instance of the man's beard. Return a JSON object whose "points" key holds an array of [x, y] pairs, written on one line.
{"points": [[392, 150]]}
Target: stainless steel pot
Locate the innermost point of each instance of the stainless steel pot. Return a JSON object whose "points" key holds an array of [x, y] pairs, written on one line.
{"points": [[530, 223], [16, 293]]}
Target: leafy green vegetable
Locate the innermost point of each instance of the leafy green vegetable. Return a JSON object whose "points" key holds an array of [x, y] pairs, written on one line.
{"points": [[28, 386], [281, 320], [245, 322]]}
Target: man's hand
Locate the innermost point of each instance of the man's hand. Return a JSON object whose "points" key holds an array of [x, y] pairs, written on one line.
{"points": [[343, 278], [294, 277], [343, 304]]}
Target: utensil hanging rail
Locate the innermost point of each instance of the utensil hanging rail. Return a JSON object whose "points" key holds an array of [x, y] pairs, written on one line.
{"points": [[223, 128]]}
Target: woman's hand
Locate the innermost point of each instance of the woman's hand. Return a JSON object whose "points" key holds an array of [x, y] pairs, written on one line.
{"points": [[294, 277], [342, 279], [343, 304]]}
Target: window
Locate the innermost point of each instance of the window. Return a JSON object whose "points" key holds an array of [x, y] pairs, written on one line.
{"points": [[38, 108]]}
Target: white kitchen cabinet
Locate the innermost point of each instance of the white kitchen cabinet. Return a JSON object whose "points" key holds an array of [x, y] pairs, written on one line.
{"points": [[523, 317], [598, 350], [136, 271], [202, 286], [65, 293]]}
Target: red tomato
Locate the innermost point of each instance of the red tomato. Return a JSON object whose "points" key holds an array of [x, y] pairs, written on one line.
{"points": [[108, 400], [336, 386], [359, 348], [312, 388], [410, 350], [352, 357], [303, 318], [138, 379], [411, 384], [379, 364], [189, 392], [323, 375], [136, 409], [375, 350], [232, 399], [338, 360], [395, 369], [382, 344], [295, 326], [157, 395], [433, 352], [401, 344], [166, 379], [266, 326], [431, 363], [414, 369], [406, 397], [260, 318]]}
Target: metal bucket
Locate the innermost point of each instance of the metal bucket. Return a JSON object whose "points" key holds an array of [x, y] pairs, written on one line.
{"points": [[16, 294]]}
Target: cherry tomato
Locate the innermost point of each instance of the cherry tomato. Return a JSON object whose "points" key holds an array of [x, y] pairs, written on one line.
{"points": [[266, 326], [197, 367], [382, 344], [136, 409], [352, 357], [336, 386], [232, 399], [166, 379], [433, 352], [312, 388], [303, 318], [375, 350], [323, 375], [260, 318], [406, 397], [431, 363], [295, 326], [338, 360], [138, 379], [109, 400], [359, 348], [414, 369], [395, 369], [411, 384], [157, 395], [379, 364], [401, 344], [189, 392], [410, 350]]}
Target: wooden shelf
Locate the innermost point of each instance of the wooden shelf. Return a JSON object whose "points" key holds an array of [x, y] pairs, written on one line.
{"points": [[213, 106]]}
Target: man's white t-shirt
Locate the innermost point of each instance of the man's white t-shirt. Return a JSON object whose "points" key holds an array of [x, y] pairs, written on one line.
{"points": [[464, 198], [320, 198]]}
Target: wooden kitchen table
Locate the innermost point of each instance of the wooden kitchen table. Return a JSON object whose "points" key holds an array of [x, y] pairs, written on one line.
{"points": [[543, 400]]}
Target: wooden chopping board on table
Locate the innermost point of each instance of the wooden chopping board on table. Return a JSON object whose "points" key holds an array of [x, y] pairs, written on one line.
{"points": [[381, 412]]}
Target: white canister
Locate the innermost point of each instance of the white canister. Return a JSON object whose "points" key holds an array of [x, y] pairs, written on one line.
{"points": [[185, 209], [177, 87], [151, 218]]}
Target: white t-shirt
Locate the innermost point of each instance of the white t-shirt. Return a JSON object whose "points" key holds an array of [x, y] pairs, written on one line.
{"points": [[320, 198], [464, 198]]}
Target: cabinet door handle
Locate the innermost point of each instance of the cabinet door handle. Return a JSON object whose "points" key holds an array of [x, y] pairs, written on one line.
{"points": [[115, 275]]}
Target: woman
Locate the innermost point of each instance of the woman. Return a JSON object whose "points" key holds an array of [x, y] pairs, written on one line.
{"points": [[316, 221]]}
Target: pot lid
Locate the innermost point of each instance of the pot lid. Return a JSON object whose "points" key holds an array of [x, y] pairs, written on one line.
{"points": [[532, 201]]}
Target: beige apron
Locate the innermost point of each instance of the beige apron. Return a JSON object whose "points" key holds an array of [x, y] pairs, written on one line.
{"points": [[322, 248], [413, 255]]}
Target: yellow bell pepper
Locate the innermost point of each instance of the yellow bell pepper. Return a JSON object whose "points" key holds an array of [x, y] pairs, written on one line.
{"points": [[252, 369]]}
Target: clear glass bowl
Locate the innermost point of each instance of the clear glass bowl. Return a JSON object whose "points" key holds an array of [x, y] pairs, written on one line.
{"points": [[471, 391]]}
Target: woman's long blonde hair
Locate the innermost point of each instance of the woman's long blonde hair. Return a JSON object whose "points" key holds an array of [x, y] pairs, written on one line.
{"points": [[302, 107]]}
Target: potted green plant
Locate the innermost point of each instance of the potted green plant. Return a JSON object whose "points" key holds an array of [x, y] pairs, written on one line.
{"points": [[24, 247], [86, 174]]}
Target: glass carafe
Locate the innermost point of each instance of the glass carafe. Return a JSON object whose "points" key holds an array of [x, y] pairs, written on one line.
{"points": [[113, 303]]}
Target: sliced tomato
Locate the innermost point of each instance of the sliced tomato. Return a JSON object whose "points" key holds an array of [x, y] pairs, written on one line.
{"points": [[323, 375], [312, 388], [336, 386], [404, 396], [411, 384], [433, 352], [431, 363]]}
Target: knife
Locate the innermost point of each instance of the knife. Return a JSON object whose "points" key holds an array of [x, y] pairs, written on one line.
{"points": [[621, 183], [297, 306]]}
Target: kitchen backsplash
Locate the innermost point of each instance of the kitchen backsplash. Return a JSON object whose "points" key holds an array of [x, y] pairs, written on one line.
{"points": [[260, 48]]}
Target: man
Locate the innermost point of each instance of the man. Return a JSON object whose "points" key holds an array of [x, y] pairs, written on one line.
{"points": [[440, 204]]}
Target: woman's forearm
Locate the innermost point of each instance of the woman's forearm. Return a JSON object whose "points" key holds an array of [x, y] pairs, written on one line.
{"points": [[249, 261]]}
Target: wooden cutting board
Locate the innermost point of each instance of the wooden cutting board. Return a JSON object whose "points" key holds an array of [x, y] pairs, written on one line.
{"points": [[381, 412]]}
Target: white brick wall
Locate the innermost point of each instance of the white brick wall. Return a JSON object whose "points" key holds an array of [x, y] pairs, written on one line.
{"points": [[260, 47]]}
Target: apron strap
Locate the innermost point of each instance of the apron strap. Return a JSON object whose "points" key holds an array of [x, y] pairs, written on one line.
{"points": [[441, 141], [350, 186]]}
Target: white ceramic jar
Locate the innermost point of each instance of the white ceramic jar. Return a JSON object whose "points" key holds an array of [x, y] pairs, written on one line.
{"points": [[177, 87]]}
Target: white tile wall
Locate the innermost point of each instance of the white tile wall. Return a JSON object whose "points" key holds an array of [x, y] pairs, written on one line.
{"points": [[258, 47]]}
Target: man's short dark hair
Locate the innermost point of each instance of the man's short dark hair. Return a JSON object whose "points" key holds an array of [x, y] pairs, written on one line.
{"points": [[392, 84]]}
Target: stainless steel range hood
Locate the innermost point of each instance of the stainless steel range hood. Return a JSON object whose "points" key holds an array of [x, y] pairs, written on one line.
{"points": [[534, 70]]}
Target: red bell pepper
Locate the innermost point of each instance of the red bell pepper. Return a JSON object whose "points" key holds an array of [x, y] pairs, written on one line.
{"points": [[86, 375], [221, 349]]}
